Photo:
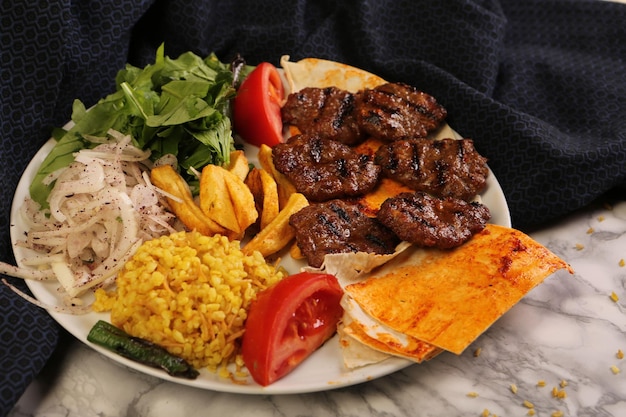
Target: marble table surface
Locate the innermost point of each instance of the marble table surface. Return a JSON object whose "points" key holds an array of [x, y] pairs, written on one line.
{"points": [[556, 353]]}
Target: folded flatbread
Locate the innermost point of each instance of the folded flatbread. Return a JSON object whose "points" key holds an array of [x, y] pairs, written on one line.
{"points": [[356, 354], [447, 298], [382, 339], [321, 73]]}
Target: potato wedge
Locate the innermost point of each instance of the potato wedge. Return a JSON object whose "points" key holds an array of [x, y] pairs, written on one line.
{"points": [[215, 199], [285, 187], [242, 201], [238, 165], [279, 232], [265, 192], [184, 207]]}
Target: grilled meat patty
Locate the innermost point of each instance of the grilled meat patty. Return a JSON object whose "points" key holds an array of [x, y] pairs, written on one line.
{"points": [[326, 112], [389, 112], [444, 168], [323, 169], [337, 226], [429, 221], [395, 111]]}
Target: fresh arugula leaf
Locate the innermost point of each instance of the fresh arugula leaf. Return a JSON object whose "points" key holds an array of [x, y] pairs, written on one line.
{"points": [[142, 102], [173, 106], [72, 141], [182, 111]]}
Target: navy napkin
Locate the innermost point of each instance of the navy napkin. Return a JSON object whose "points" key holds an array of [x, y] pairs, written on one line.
{"points": [[540, 85], [50, 53]]}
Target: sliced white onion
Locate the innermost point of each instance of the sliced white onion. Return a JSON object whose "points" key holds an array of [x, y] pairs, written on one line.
{"points": [[102, 207], [43, 259], [68, 308]]}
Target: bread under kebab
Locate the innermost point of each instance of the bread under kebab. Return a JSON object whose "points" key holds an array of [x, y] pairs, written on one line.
{"points": [[418, 302]]}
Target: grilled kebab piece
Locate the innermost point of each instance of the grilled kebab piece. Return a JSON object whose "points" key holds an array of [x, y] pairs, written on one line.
{"points": [[444, 168], [337, 226], [388, 112], [324, 169], [398, 111], [325, 112], [429, 221]]}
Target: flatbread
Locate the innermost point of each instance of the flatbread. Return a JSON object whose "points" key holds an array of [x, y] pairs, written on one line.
{"points": [[379, 337], [351, 267], [356, 354], [447, 298], [321, 73]]}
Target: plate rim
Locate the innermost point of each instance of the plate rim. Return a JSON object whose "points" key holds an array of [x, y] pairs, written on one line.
{"points": [[76, 324]]}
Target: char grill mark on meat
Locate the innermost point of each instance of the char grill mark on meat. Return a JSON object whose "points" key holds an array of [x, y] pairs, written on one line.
{"points": [[324, 169], [444, 168], [326, 112], [429, 221], [337, 226], [395, 111]]}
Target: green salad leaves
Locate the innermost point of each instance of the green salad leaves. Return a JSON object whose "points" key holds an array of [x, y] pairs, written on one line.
{"points": [[174, 106]]}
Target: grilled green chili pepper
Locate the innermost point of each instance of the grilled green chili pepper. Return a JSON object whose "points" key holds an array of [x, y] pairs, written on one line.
{"points": [[140, 350]]}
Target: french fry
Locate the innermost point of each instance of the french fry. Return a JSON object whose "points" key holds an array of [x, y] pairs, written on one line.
{"points": [[184, 207], [265, 192], [285, 187], [279, 232], [238, 164]]}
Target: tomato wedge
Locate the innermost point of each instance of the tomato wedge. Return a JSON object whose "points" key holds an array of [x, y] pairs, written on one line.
{"points": [[256, 107], [289, 321]]}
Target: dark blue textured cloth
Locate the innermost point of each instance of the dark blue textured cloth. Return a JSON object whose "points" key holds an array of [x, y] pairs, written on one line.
{"points": [[540, 85]]}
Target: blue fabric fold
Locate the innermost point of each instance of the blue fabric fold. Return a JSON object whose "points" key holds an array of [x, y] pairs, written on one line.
{"points": [[540, 85], [51, 53]]}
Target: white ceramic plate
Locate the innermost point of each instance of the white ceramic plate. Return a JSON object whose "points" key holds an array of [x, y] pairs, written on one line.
{"points": [[323, 370]]}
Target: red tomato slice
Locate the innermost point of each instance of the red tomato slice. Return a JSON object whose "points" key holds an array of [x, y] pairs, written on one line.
{"points": [[288, 322], [256, 107]]}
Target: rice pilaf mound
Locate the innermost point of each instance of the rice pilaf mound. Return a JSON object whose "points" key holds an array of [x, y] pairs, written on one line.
{"points": [[189, 293]]}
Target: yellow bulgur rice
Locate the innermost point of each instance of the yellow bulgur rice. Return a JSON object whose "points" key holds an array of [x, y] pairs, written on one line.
{"points": [[189, 293]]}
